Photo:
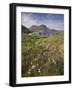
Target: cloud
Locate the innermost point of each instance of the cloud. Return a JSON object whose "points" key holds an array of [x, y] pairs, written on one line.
{"points": [[52, 21], [27, 20]]}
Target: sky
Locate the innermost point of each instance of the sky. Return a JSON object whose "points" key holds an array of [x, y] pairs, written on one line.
{"points": [[52, 21]]}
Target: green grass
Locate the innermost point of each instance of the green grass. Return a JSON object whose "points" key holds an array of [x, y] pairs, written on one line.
{"points": [[42, 55]]}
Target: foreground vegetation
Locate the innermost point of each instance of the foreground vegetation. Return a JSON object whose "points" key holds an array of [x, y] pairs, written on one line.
{"points": [[42, 56]]}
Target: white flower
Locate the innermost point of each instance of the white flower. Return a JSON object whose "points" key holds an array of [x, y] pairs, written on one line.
{"points": [[29, 72], [38, 70], [33, 66]]}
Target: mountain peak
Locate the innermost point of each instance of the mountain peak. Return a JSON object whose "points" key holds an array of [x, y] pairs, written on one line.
{"points": [[42, 25], [36, 28], [25, 29]]}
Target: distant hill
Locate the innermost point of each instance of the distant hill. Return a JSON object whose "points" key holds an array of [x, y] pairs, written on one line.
{"points": [[25, 30], [43, 30], [40, 30], [35, 28]]}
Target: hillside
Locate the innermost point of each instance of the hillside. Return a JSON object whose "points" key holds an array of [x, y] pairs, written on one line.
{"points": [[42, 55], [25, 30], [40, 30]]}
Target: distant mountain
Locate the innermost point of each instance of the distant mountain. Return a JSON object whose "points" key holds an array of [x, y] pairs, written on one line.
{"points": [[40, 30], [35, 28], [25, 30]]}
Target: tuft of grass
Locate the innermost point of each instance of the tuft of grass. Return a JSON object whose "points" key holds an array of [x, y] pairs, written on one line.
{"points": [[42, 56]]}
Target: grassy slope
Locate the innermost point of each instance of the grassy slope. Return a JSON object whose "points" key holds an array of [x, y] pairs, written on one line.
{"points": [[42, 56]]}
